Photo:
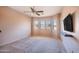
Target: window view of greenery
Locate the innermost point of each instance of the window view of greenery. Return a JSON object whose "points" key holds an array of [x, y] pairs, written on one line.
{"points": [[45, 24]]}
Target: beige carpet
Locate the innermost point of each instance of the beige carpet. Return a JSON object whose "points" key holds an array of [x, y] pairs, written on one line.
{"points": [[34, 45]]}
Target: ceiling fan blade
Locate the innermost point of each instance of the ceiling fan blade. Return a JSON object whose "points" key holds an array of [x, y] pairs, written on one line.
{"points": [[32, 9], [37, 14], [40, 11]]}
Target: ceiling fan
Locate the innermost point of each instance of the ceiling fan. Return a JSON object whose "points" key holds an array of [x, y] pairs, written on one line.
{"points": [[37, 12]]}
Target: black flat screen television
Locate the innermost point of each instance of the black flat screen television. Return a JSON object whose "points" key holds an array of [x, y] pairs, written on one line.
{"points": [[68, 23]]}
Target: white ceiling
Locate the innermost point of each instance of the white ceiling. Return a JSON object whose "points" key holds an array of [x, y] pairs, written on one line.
{"points": [[48, 10]]}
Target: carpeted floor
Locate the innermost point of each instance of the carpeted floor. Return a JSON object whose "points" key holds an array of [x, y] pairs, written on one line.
{"points": [[34, 45]]}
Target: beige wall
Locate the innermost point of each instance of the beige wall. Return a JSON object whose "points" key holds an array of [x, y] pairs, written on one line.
{"points": [[71, 10], [77, 24], [14, 25]]}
